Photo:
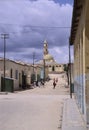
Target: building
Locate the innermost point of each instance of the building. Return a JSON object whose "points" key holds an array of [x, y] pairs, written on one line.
{"points": [[20, 72], [51, 64], [79, 37], [36, 72]]}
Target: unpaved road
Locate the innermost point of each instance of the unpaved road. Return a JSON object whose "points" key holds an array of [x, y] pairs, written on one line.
{"points": [[35, 109]]}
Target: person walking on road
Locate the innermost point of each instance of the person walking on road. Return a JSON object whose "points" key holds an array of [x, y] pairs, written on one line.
{"points": [[56, 80], [54, 84]]}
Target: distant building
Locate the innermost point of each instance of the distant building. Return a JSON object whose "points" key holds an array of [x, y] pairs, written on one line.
{"points": [[52, 65]]}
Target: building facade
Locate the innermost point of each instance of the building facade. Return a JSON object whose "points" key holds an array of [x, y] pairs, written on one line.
{"points": [[20, 72], [79, 37], [51, 64]]}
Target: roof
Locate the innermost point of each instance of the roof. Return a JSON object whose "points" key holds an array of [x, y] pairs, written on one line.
{"points": [[48, 57], [17, 62], [45, 42], [77, 8]]}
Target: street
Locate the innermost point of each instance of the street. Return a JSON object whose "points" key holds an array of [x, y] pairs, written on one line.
{"points": [[40, 108]]}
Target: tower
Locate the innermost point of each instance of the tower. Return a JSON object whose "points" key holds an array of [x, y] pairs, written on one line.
{"points": [[45, 48]]}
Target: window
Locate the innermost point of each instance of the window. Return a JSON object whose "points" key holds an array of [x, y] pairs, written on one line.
{"points": [[11, 73], [16, 74], [22, 72], [53, 68]]}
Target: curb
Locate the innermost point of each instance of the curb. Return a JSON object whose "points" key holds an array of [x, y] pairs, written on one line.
{"points": [[3, 93]]}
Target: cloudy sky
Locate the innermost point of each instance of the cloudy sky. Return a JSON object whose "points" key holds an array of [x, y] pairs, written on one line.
{"points": [[30, 22]]}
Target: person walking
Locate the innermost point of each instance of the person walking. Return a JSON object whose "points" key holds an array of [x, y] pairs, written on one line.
{"points": [[56, 80], [54, 84]]}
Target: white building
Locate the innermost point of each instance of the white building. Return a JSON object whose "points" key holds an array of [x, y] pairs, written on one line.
{"points": [[53, 66], [19, 72]]}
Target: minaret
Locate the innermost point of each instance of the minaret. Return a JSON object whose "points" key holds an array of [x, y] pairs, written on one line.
{"points": [[45, 48], [46, 54]]}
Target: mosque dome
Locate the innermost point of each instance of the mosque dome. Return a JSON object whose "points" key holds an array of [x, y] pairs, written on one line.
{"points": [[48, 57]]}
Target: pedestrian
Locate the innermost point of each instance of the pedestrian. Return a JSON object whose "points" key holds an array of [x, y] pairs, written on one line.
{"points": [[54, 84], [56, 80], [37, 83], [42, 82]]}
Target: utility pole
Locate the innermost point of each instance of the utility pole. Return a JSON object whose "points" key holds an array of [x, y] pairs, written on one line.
{"points": [[4, 36], [33, 61], [70, 70], [44, 68], [33, 67]]}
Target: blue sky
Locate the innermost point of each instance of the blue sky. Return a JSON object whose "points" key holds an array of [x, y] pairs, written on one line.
{"points": [[64, 1], [30, 22]]}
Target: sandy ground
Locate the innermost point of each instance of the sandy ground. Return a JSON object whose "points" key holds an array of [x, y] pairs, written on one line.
{"points": [[40, 108]]}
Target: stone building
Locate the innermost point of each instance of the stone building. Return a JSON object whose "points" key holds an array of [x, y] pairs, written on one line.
{"points": [[17, 71], [52, 65], [20, 72], [79, 37]]}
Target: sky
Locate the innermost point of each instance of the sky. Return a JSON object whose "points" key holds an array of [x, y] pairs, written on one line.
{"points": [[29, 22]]}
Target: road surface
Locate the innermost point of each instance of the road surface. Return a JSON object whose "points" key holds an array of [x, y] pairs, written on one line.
{"points": [[34, 109]]}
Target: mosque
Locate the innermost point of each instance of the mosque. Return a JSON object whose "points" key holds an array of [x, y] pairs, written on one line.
{"points": [[51, 64]]}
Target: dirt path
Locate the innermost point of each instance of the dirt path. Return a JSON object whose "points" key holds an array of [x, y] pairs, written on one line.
{"points": [[34, 109]]}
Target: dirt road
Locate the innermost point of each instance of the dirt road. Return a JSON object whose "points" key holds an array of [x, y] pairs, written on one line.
{"points": [[34, 109]]}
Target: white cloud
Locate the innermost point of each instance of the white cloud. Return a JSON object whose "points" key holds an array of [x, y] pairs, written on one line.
{"points": [[19, 18]]}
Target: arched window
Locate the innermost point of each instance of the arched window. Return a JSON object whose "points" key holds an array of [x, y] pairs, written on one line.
{"points": [[53, 68], [11, 73]]}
